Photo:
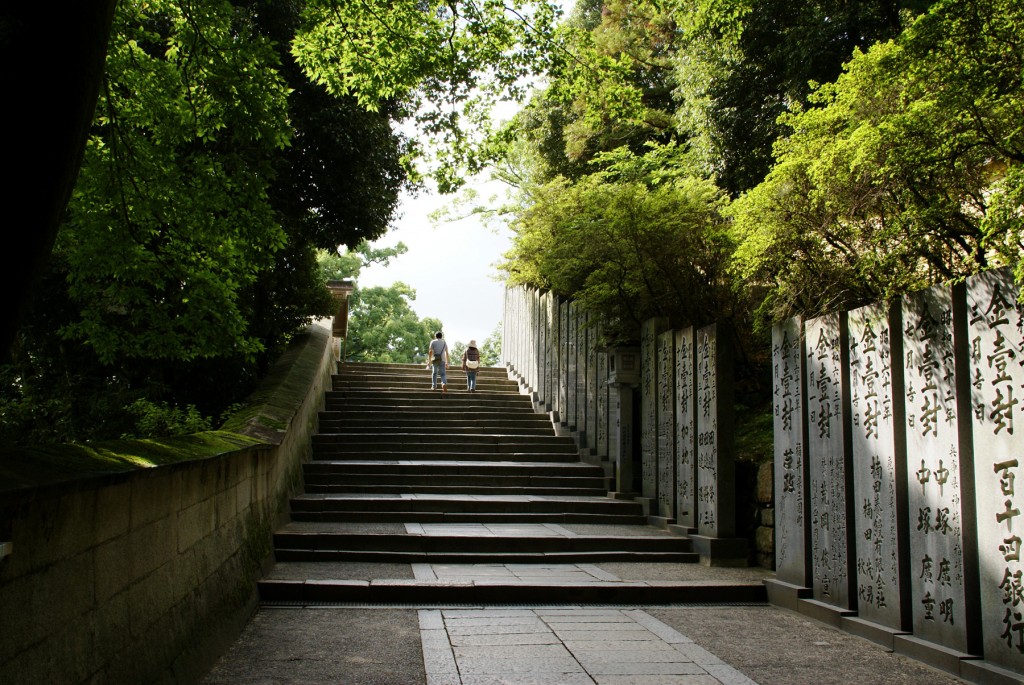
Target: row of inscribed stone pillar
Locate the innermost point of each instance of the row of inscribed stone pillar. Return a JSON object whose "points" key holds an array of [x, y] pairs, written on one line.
{"points": [[895, 464], [686, 427], [553, 348]]}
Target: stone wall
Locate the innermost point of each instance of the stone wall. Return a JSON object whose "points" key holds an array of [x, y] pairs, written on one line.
{"points": [[145, 574]]}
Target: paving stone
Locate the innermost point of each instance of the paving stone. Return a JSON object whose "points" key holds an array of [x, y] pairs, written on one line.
{"points": [[565, 664], [545, 638], [656, 680]]}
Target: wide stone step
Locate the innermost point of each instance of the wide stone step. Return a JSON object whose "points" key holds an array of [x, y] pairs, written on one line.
{"points": [[554, 443], [454, 383], [436, 469], [460, 488], [428, 401], [444, 428], [424, 417], [464, 504], [438, 453], [451, 482], [493, 517], [469, 548], [425, 592]]}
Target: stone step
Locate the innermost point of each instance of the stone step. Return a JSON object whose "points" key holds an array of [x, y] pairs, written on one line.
{"points": [[420, 592], [457, 489], [479, 504], [391, 368], [439, 454], [477, 481], [445, 469], [496, 517], [551, 442], [507, 548], [455, 385], [430, 402], [417, 417], [463, 429]]}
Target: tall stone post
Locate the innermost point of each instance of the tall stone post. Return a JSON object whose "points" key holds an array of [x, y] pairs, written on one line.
{"points": [[942, 530], [649, 333], [879, 474], [792, 580], [623, 376], [829, 470], [995, 320], [716, 540]]}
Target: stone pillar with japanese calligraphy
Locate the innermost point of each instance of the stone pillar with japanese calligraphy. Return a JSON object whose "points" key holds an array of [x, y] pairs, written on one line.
{"points": [[593, 385], [938, 472], [649, 333], [571, 368], [543, 363], [666, 425], [563, 362], [715, 539], [878, 447], [829, 470], [791, 482], [995, 332], [603, 405], [686, 432], [581, 376]]}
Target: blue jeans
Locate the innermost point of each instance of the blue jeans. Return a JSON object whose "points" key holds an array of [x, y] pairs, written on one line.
{"points": [[471, 379], [436, 369]]}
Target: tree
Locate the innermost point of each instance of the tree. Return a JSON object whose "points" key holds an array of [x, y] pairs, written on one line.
{"points": [[384, 328], [625, 248], [743, 63], [444, 62], [903, 174], [169, 221]]}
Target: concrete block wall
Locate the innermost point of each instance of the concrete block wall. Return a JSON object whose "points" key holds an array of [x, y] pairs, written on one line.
{"points": [[145, 576]]}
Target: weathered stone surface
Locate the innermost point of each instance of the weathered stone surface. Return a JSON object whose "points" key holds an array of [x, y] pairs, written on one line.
{"points": [[666, 426], [937, 561], [764, 539], [792, 551], [995, 331], [716, 517], [879, 472], [571, 364], [649, 405], [686, 433], [765, 484], [828, 461]]}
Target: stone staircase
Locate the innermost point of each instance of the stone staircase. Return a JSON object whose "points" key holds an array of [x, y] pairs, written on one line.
{"points": [[472, 494]]}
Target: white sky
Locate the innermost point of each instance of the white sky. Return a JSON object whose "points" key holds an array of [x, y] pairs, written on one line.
{"points": [[450, 265]]}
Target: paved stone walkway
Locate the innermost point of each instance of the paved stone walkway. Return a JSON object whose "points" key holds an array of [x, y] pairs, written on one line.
{"points": [[554, 644], [563, 647]]}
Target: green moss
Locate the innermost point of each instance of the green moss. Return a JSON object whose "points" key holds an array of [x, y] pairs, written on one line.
{"points": [[43, 463]]}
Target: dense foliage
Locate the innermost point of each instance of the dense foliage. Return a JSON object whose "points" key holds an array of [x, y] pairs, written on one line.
{"points": [[751, 159], [188, 255], [701, 161]]}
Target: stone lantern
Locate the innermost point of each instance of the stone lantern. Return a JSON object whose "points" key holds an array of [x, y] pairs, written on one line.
{"points": [[340, 290]]}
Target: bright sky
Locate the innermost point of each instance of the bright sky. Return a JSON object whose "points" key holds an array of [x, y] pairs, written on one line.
{"points": [[450, 265]]}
